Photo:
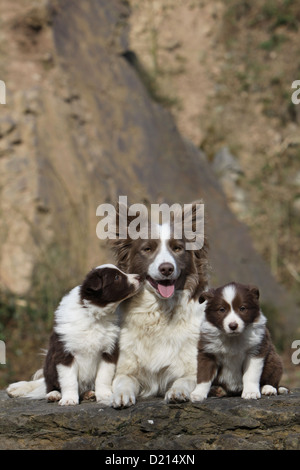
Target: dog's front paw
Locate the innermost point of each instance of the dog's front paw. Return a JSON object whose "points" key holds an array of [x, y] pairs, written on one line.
{"points": [[69, 400], [88, 395], [200, 392], [104, 396], [177, 395], [196, 397], [268, 390], [251, 392], [122, 400], [53, 396]]}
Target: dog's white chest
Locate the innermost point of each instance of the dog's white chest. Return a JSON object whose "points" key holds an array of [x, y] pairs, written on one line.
{"points": [[231, 371], [90, 341], [163, 345]]}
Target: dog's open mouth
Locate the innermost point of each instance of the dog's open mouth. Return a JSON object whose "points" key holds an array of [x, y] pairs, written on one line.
{"points": [[165, 288]]}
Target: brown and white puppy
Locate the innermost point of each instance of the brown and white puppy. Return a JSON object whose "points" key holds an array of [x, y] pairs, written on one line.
{"points": [[83, 341], [235, 347]]}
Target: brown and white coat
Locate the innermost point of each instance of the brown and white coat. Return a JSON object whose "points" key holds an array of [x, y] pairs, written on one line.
{"points": [[82, 346], [235, 348]]}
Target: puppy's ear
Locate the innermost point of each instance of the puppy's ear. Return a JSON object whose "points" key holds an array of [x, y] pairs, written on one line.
{"points": [[206, 295], [95, 282], [254, 291]]}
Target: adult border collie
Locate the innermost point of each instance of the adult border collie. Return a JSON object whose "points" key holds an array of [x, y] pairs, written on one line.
{"points": [[160, 325]]}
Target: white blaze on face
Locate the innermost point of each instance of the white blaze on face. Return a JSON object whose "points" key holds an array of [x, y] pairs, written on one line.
{"points": [[232, 317], [163, 256]]}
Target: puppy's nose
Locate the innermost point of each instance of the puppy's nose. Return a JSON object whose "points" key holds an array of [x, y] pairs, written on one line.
{"points": [[166, 269], [233, 325]]}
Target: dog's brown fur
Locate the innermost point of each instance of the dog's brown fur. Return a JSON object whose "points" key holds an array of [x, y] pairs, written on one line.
{"points": [[193, 263]]}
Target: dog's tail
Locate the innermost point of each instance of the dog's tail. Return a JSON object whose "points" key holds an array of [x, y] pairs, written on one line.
{"points": [[35, 389]]}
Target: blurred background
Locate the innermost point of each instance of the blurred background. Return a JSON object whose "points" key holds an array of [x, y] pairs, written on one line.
{"points": [[162, 101]]}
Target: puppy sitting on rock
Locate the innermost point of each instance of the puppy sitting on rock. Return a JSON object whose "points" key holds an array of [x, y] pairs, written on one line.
{"points": [[235, 347], [81, 355]]}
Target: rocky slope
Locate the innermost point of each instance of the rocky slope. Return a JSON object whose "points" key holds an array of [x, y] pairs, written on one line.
{"points": [[218, 423], [225, 69]]}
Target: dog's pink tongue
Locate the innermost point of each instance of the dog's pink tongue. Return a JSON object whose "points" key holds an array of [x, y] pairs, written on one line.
{"points": [[165, 291]]}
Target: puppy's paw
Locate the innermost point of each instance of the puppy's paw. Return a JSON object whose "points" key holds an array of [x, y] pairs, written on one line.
{"points": [[251, 393], [200, 392], [122, 400], [196, 397], [177, 395], [104, 396], [283, 391], [53, 396], [217, 391], [89, 395], [268, 390], [69, 400]]}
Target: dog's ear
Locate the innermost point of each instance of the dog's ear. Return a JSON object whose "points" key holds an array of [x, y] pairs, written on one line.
{"points": [[118, 235], [192, 216], [127, 220], [206, 295], [95, 282], [254, 291], [195, 237], [123, 219]]}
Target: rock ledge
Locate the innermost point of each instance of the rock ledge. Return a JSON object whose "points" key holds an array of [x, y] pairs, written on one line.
{"points": [[218, 423]]}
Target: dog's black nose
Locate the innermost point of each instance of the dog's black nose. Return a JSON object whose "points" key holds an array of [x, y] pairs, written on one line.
{"points": [[166, 269], [233, 325]]}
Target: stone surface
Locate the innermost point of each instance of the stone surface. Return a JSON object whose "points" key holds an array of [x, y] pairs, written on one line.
{"points": [[218, 423]]}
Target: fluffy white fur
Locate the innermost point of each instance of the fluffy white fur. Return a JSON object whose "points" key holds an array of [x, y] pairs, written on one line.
{"points": [[86, 334], [158, 348]]}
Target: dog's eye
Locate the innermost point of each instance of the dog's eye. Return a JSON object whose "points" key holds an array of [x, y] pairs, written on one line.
{"points": [[147, 249], [242, 308], [177, 249], [117, 277], [222, 309]]}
